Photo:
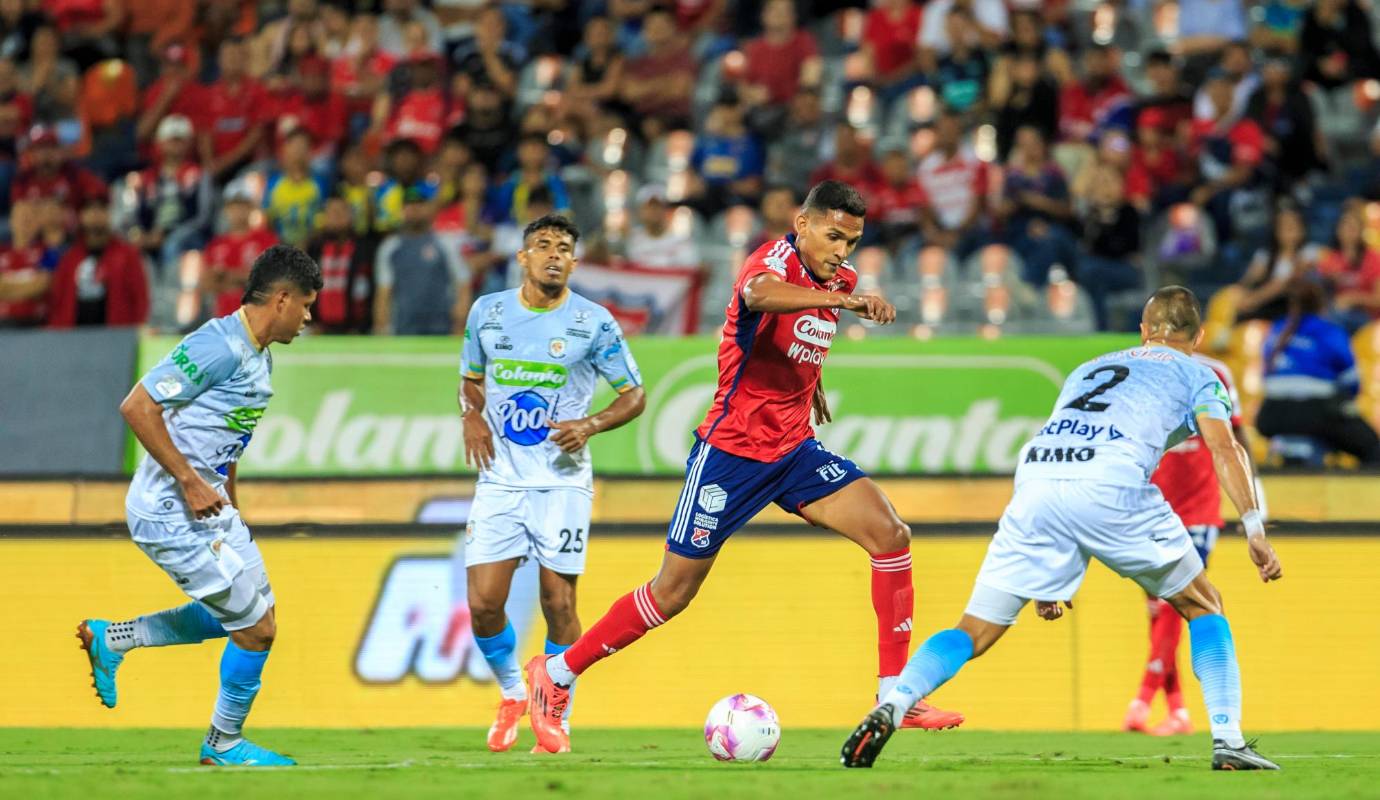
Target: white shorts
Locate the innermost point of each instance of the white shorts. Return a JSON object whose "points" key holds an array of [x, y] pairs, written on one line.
{"points": [[1052, 527], [551, 525], [212, 560]]}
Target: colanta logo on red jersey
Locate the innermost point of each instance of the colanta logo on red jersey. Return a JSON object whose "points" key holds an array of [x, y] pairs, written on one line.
{"points": [[811, 330]]}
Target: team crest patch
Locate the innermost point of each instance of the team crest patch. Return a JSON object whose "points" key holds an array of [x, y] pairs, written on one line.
{"points": [[169, 387], [700, 538], [556, 348], [581, 317]]}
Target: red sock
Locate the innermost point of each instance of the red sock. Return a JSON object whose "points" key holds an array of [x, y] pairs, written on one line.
{"points": [[893, 598], [1166, 632], [1153, 679], [630, 617]]}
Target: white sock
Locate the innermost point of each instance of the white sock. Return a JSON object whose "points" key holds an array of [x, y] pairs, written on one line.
{"points": [[560, 671], [901, 698], [513, 692], [885, 685], [122, 637], [220, 741]]}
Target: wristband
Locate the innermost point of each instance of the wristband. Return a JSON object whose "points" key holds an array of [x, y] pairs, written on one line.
{"points": [[1253, 524]]}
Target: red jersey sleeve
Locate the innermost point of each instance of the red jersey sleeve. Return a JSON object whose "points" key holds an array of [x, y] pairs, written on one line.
{"points": [[1224, 375], [1247, 143], [769, 258]]}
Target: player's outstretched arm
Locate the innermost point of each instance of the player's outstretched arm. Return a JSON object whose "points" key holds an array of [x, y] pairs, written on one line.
{"points": [[479, 440], [1232, 464], [771, 295], [571, 435], [145, 418]]}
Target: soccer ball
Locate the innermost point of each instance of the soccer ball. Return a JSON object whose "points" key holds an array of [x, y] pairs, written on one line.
{"points": [[742, 727]]}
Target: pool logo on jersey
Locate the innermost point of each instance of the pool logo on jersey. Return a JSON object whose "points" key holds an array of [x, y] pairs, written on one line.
{"points": [[557, 347], [525, 418]]}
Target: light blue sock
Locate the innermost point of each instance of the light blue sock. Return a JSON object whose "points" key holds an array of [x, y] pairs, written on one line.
{"points": [[186, 624], [938, 659], [240, 672], [553, 649], [500, 650], [1214, 664]]}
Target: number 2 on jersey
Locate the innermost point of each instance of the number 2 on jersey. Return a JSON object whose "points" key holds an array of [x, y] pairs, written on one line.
{"points": [[1085, 402]]}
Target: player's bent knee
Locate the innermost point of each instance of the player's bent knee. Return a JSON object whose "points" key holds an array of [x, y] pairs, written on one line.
{"points": [[892, 537]]}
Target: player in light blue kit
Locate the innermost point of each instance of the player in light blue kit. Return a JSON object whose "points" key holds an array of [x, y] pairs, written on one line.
{"points": [[531, 360], [194, 413], [1083, 490]]}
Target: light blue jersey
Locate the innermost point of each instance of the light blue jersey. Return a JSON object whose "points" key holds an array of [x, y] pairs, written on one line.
{"points": [[214, 387], [540, 367], [1118, 413]]}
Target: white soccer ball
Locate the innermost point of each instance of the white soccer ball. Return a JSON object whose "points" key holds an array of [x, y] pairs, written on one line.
{"points": [[742, 727]]}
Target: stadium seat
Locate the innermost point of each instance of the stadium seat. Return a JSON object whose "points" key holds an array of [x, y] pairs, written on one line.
{"points": [[1366, 344]]}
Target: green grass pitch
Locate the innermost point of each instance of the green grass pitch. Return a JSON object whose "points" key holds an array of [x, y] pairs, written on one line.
{"points": [[666, 764]]}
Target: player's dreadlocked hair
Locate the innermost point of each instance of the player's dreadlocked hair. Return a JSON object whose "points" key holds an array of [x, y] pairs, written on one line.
{"points": [[555, 222], [1172, 311], [281, 263], [835, 196]]}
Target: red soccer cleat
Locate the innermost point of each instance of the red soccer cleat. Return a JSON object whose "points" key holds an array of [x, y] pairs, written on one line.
{"points": [[927, 717], [1137, 714], [503, 733], [1176, 724], [546, 706]]}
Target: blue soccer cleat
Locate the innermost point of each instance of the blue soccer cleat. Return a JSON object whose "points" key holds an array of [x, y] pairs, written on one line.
{"points": [[104, 661], [244, 754]]}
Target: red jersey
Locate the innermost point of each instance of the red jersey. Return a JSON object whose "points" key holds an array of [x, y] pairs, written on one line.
{"points": [[230, 112], [25, 262], [235, 252], [421, 117], [777, 66], [769, 364], [71, 184], [1186, 476]]}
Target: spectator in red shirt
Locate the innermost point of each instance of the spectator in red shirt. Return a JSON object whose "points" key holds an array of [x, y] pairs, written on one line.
{"points": [[236, 109], [421, 113], [890, 38], [345, 302], [898, 202], [779, 60], [1351, 268], [175, 92], [1229, 153], [659, 84], [1155, 177], [26, 270], [955, 183], [230, 255], [360, 73], [311, 104], [101, 280], [50, 174], [852, 162], [1087, 105]]}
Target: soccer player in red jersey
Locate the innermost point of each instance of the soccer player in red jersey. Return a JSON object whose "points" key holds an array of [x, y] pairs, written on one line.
{"points": [[1189, 482], [756, 447]]}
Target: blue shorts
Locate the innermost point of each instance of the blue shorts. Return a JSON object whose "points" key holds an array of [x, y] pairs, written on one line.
{"points": [[1204, 539], [723, 491]]}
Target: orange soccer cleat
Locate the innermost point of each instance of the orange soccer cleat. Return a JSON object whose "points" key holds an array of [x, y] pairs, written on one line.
{"points": [[927, 717], [1137, 714], [504, 731], [1176, 724], [546, 706]]}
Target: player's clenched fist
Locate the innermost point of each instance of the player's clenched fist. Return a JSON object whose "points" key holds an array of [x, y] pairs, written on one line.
{"points": [[572, 434], [869, 306], [479, 440], [1264, 558]]}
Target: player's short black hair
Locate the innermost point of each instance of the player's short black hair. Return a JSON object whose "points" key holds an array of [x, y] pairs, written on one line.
{"points": [[835, 196], [555, 222], [281, 263], [1173, 310]]}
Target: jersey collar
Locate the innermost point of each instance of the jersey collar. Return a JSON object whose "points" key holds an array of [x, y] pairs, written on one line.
{"points": [[790, 239], [248, 331], [565, 295]]}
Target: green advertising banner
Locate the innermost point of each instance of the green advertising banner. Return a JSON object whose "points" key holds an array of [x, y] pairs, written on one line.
{"points": [[375, 406]]}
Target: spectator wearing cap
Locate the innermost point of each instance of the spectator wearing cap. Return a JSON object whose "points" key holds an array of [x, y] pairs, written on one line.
{"points": [[1230, 156], [420, 114], [727, 163], [397, 14], [794, 154], [404, 169], [313, 106], [652, 242], [1099, 99], [236, 113], [101, 280], [1337, 44], [1021, 94], [423, 286], [345, 302], [1155, 178], [1035, 211], [1351, 270], [487, 128], [1311, 380], [293, 193], [175, 92], [49, 173], [508, 201], [489, 59], [779, 61], [165, 210], [658, 84], [26, 270], [230, 255], [1283, 112]]}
